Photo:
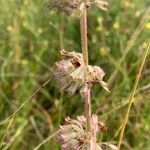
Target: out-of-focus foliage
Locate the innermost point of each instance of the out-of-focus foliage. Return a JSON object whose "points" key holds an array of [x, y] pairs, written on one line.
{"points": [[30, 41]]}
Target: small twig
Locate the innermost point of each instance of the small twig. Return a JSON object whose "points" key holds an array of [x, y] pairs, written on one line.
{"points": [[131, 98]]}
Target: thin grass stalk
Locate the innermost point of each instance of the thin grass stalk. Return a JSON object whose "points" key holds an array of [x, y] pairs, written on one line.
{"points": [[25, 102], [6, 133], [131, 98], [45, 141]]}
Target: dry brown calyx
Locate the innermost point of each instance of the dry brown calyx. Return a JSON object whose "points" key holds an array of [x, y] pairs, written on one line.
{"points": [[71, 74]]}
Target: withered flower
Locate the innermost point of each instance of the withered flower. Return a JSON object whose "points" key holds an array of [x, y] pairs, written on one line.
{"points": [[71, 74], [71, 135], [63, 6], [74, 136], [74, 7]]}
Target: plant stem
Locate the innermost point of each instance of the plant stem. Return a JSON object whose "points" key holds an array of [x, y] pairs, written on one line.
{"points": [[84, 41], [88, 109], [131, 98]]}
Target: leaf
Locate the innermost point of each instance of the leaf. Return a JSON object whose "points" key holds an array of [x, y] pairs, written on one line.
{"points": [[104, 85]]}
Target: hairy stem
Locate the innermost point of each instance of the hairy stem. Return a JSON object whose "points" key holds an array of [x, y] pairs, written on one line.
{"points": [[131, 98], [84, 41], [88, 110]]}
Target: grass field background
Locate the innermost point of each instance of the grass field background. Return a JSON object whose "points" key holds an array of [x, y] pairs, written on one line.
{"points": [[30, 41]]}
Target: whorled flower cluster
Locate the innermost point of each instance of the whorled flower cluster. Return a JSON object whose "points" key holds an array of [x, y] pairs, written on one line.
{"points": [[74, 136], [65, 6], [71, 74], [74, 7]]}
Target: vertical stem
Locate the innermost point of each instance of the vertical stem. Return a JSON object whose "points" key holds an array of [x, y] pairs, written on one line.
{"points": [[84, 41], [88, 109]]}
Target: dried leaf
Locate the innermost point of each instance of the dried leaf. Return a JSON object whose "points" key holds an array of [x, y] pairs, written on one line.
{"points": [[104, 85]]}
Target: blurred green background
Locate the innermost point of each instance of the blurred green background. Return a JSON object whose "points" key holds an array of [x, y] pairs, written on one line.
{"points": [[30, 41]]}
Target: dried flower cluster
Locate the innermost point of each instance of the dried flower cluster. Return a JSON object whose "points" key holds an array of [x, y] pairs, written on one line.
{"points": [[65, 6], [71, 74], [74, 136], [74, 7]]}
